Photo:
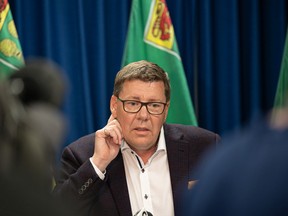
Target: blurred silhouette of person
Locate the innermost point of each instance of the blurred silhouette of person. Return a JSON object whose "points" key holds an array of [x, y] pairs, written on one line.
{"points": [[136, 164], [247, 175], [32, 128]]}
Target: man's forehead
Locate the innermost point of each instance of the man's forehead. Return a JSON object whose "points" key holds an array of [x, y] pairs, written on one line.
{"points": [[139, 90]]}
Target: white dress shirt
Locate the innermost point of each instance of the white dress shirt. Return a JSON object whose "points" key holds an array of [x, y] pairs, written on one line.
{"points": [[149, 184]]}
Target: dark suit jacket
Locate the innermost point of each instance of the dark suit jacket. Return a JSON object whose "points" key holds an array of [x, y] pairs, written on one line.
{"points": [[109, 197]]}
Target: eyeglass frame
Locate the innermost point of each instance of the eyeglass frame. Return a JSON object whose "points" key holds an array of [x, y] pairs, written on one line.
{"points": [[142, 104]]}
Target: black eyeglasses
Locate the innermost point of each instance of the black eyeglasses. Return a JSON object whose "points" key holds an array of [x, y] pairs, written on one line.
{"points": [[132, 106]]}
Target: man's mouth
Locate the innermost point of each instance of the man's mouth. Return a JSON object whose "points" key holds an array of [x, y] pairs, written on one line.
{"points": [[141, 130]]}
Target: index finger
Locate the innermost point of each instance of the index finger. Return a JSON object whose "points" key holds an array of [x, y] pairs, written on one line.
{"points": [[111, 118]]}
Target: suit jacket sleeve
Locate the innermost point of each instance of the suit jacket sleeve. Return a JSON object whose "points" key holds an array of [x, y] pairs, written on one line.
{"points": [[77, 181]]}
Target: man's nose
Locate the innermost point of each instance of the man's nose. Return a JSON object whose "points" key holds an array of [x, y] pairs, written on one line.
{"points": [[143, 112]]}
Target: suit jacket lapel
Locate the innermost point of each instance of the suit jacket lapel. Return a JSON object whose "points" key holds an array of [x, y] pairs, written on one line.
{"points": [[177, 153], [118, 186]]}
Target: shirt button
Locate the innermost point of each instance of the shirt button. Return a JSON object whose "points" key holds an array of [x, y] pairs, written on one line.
{"points": [[146, 196]]}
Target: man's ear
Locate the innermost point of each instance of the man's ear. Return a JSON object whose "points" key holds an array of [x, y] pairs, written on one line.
{"points": [[113, 106]]}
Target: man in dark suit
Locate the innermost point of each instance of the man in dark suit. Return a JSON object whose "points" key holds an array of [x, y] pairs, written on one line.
{"points": [[136, 164], [247, 175]]}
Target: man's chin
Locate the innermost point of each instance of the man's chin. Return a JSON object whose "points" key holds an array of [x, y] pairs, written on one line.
{"points": [[141, 144]]}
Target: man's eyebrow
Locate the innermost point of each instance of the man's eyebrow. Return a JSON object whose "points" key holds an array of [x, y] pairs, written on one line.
{"points": [[136, 98], [132, 98]]}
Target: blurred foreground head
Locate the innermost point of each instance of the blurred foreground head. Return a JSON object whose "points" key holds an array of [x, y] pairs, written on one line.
{"points": [[32, 128], [40, 81], [32, 125]]}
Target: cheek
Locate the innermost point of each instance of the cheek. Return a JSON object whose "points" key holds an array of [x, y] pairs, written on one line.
{"points": [[124, 120], [118, 112], [157, 124], [162, 119]]}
